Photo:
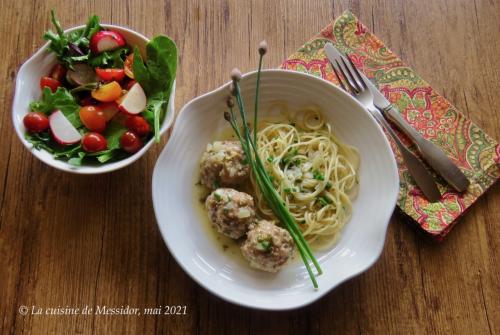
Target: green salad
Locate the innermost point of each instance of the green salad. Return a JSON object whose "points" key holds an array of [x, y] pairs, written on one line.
{"points": [[102, 101]]}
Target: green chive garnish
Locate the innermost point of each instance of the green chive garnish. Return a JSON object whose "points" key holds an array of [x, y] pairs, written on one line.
{"points": [[262, 178]]}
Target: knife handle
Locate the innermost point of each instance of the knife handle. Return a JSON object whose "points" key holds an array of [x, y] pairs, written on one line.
{"points": [[436, 158], [393, 114]]}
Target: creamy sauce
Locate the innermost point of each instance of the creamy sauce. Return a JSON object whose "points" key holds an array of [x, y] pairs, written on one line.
{"points": [[227, 245]]}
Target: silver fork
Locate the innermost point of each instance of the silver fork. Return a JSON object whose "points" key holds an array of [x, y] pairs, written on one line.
{"points": [[357, 87]]}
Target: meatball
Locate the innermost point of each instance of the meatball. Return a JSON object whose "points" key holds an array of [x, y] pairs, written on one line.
{"points": [[230, 211], [267, 247], [223, 164]]}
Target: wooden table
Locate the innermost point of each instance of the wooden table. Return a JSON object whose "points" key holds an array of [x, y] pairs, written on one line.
{"points": [[68, 240]]}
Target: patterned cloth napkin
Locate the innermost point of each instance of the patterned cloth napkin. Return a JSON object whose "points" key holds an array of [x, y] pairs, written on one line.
{"points": [[477, 154]]}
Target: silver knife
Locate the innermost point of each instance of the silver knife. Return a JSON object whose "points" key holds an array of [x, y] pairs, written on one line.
{"points": [[433, 155]]}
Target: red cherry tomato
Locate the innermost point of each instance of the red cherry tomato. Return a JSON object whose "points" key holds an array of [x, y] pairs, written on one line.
{"points": [[93, 118], [51, 83], [58, 72], [110, 74], [36, 122], [130, 142], [94, 142], [138, 125]]}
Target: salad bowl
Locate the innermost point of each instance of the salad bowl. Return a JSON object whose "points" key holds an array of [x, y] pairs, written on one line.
{"points": [[181, 225], [27, 89]]}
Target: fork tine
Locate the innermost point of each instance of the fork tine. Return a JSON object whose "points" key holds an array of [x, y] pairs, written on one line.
{"points": [[338, 77], [355, 69], [347, 80], [351, 76]]}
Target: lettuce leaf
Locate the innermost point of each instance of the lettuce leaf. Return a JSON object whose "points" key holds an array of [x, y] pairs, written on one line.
{"points": [[109, 59], [61, 99], [156, 76], [74, 47], [73, 153], [40, 141]]}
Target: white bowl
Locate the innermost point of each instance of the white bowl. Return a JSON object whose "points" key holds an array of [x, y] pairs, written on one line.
{"points": [[362, 239], [28, 89]]}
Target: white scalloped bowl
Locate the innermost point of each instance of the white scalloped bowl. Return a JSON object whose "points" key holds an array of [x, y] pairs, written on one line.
{"points": [[362, 239], [28, 89]]}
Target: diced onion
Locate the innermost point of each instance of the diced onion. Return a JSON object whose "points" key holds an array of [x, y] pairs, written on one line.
{"points": [[243, 213], [219, 156]]}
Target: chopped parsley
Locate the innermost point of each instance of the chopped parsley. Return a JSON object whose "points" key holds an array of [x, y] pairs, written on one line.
{"points": [[324, 201], [287, 159], [318, 175], [289, 190], [265, 244]]}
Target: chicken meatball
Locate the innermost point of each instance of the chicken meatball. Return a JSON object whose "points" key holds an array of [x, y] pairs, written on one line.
{"points": [[223, 164], [230, 211], [267, 247]]}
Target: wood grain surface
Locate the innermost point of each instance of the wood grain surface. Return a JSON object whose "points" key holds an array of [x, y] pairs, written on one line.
{"points": [[68, 240]]}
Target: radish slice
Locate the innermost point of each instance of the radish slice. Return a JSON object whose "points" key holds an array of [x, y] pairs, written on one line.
{"points": [[134, 101], [81, 75], [62, 130], [106, 40]]}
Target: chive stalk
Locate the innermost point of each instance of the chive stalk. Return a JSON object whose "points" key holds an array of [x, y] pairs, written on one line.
{"points": [[262, 52], [262, 178]]}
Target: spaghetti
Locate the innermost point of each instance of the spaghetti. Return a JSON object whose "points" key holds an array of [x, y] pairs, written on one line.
{"points": [[313, 171]]}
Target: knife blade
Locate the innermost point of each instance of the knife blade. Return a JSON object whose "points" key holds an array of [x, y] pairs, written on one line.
{"points": [[434, 156]]}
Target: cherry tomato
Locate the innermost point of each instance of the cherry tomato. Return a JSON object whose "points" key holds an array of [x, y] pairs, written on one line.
{"points": [[138, 125], [107, 92], [130, 142], [58, 72], [51, 83], [94, 142], [36, 122], [127, 66], [93, 118], [110, 74]]}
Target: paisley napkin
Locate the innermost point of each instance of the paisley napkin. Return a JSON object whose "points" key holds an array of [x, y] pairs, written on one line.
{"points": [[474, 152]]}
